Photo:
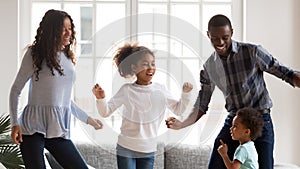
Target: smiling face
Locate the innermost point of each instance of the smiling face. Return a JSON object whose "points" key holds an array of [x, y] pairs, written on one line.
{"points": [[239, 131], [144, 69], [220, 37], [66, 33]]}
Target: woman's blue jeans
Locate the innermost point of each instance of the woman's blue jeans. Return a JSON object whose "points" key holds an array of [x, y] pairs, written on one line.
{"points": [[128, 159], [264, 145], [63, 150]]}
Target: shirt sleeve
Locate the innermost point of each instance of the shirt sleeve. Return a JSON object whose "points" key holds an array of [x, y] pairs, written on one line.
{"points": [[105, 108], [268, 63], [78, 112], [240, 154], [177, 106], [205, 92], [24, 74]]}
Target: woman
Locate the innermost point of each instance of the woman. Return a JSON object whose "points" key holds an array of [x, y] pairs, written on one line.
{"points": [[48, 65]]}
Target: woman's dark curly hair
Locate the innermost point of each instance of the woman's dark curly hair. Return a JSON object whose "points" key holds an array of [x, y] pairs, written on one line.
{"points": [[127, 55], [252, 119], [48, 42]]}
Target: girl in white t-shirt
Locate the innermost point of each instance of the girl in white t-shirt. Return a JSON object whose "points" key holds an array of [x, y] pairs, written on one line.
{"points": [[143, 106], [247, 125]]}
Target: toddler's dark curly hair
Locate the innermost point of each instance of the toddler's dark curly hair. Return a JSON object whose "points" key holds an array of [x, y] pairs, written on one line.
{"points": [[253, 120]]}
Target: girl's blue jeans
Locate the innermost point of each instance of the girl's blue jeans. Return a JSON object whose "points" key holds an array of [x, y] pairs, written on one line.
{"points": [[264, 145], [63, 150], [128, 159]]}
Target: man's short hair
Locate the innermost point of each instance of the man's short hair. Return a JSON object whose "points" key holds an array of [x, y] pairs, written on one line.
{"points": [[219, 20]]}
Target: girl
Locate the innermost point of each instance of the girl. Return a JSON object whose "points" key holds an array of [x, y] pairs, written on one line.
{"points": [[48, 65], [144, 104]]}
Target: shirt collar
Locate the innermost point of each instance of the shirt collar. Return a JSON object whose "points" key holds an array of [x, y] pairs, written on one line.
{"points": [[234, 46], [234, 49]]}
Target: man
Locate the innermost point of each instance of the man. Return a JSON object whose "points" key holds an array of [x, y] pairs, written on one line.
{"points": [[237, 70]]}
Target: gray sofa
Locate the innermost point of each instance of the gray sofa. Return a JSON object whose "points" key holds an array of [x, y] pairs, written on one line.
{"points": [[171, 156]]}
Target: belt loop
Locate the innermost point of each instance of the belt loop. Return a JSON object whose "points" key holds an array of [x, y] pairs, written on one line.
{"points": [[265, 111]]}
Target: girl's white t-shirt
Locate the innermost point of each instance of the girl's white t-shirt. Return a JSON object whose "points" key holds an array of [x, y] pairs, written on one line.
{"points": [[142, 108]]}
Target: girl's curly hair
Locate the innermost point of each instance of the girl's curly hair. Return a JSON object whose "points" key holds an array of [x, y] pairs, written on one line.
{"points": [[48, 40], [127, 55]]}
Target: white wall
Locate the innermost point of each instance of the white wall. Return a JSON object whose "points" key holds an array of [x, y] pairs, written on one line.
{"points": [[9, 49], [275, 24]]}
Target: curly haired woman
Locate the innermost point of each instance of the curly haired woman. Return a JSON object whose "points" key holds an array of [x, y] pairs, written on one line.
{"points": [[48, 65]]}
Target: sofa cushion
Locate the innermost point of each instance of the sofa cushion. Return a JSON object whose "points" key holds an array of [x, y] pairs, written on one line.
{"points": [[181, 156], [99, 156], [104, 156]]}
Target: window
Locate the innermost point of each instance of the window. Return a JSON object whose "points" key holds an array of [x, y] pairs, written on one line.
{"points": [[174, 29]]}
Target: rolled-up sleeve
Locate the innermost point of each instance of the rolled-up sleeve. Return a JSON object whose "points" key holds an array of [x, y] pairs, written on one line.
{"points": [[205, 92]]}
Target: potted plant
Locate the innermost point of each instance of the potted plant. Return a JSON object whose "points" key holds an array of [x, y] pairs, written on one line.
{"points": [[10, 154]]}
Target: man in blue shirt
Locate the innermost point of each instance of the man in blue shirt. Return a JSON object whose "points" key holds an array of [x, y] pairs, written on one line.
{"points": [[237, 69]]}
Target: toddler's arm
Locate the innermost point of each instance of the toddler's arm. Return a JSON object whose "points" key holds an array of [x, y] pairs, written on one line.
{"points": [[223, 149]]}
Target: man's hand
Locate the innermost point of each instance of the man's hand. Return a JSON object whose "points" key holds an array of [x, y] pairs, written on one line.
{"points": [[173, 123], [296, 79]]}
